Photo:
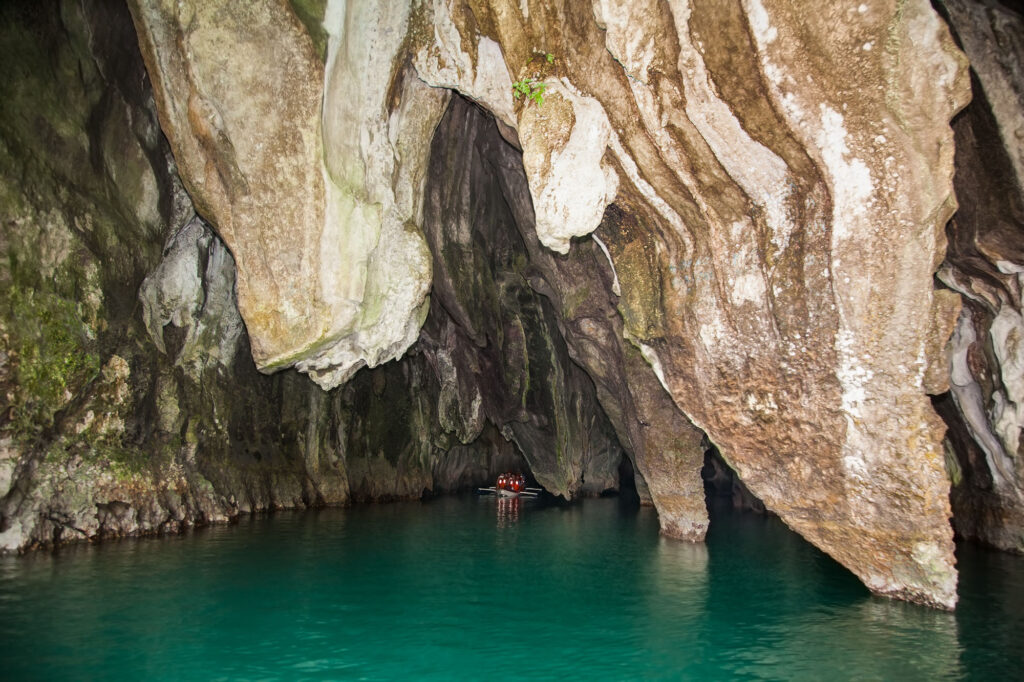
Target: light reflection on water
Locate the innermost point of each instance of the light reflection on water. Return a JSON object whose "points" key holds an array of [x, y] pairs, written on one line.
{"points": [[508, 510], [502, 588]]}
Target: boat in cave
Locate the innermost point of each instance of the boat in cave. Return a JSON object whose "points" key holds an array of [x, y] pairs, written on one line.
{"points": [[510, 485]]}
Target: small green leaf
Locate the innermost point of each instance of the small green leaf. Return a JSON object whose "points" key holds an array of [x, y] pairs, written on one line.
{"points": [[531, 87]]}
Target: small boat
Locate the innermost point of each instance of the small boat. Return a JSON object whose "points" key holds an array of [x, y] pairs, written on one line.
{"points": [[511, 485]]}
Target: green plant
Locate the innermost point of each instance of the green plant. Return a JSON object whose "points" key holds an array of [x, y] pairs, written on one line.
{"points": [[531, 87]]}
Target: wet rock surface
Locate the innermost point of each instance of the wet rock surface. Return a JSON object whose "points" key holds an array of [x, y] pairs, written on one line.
{"points": [[719, 228]]}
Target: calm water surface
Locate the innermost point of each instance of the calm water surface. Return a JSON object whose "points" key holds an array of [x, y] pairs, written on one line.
{"points": [[462, 587]]}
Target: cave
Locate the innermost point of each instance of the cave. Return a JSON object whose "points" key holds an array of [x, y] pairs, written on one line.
{"points": [[493, 335], [724, 490], [247, 270]]}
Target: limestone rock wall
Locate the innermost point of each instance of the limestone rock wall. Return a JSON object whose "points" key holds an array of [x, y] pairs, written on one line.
{"points": [[770, 184], [779, 204], [726, 223], [985, 263], [129, 402]]}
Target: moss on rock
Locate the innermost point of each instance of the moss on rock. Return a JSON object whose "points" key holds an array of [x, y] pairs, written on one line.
{"points": [[52, 354]]}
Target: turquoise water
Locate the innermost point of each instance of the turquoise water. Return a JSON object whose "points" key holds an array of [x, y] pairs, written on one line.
{"points": [[462, 587]]}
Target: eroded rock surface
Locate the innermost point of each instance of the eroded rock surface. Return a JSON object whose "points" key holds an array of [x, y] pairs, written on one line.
{"points": [[985, 263], [766, 188], [109, 424], [777, 197], [780, 203], [261, 130]]}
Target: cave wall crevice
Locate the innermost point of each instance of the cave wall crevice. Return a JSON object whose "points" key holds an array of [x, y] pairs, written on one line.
{"points": [[984, 263]]}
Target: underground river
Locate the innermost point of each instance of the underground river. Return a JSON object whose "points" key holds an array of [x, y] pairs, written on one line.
{"points": [[469, 585]]}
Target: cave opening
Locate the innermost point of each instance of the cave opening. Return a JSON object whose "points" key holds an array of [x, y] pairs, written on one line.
{"points": [[523, 356], [723, 488], [492, 383]]}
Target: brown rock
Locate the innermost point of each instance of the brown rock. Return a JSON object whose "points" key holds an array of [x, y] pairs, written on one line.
{"points": [[790, 192], [784, 178]]}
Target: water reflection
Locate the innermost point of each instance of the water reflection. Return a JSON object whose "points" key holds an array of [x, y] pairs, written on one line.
{"points": [[415, 590], [991, 610], [904, 641], [680, 569], [675, 606], [508, 511], [798, 615]]}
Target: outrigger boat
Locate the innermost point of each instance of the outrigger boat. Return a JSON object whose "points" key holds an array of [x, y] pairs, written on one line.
{"points": [[510, 485]]}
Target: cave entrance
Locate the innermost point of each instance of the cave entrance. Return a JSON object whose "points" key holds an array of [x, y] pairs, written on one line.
{"points": [[495, 360], [723, 488]]}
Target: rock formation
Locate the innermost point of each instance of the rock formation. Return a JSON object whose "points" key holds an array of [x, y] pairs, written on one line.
{"points": [[778, 210], [985, 263], [702, 221], [130, 402]]}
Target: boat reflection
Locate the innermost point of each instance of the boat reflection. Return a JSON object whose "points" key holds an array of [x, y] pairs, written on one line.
{"points": [[508, 511]]}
